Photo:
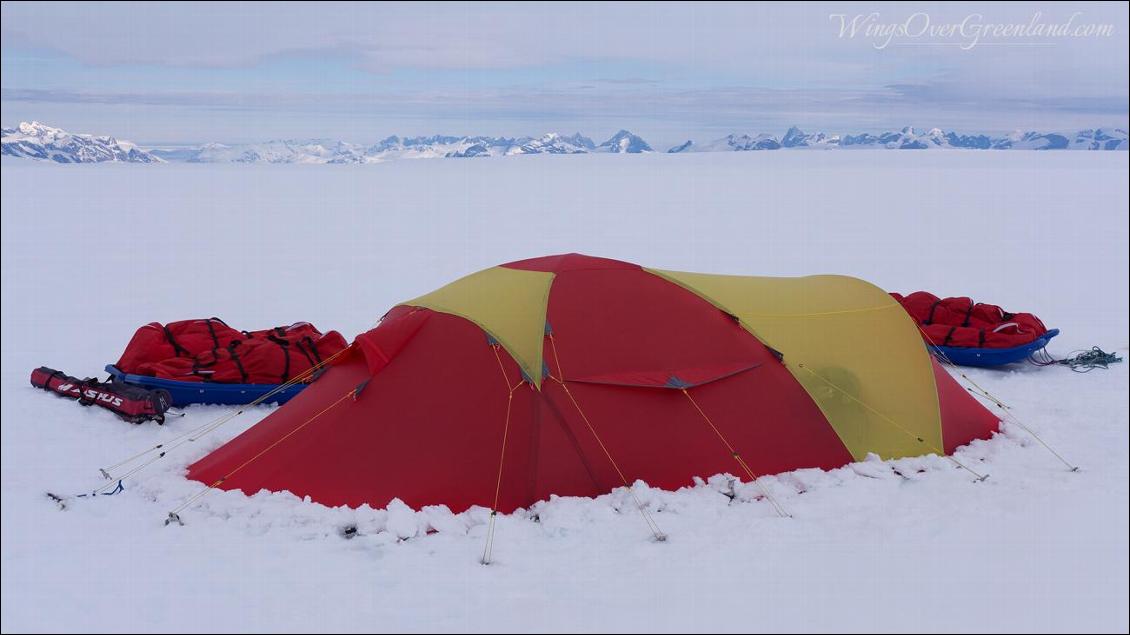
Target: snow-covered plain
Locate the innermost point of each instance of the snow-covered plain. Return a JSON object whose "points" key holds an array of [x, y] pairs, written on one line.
{"points": [[90, 252]]}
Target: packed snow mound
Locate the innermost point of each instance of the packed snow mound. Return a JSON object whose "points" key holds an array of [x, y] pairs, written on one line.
{"points": [[39, 141]]}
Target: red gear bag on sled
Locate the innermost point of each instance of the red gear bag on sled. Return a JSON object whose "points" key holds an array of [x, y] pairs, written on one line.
{"points": [[208, 350], [960, 322]]}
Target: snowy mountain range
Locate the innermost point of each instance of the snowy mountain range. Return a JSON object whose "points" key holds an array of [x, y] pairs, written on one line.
{"points": [[434, 147], [911, 139], [38, 141]]}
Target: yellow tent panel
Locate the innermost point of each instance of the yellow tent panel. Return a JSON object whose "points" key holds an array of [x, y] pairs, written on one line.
{"points": [[849, 344], [509, 304]]}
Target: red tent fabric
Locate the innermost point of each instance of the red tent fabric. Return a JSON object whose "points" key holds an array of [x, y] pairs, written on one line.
{"points": [[422, 406]]}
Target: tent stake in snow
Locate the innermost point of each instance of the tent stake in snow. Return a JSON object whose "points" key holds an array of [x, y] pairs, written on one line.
{"points": [[738, 457], [976, 390], [978, 477], [488, 547], [191, 436], [656, 533], [174, 516], [1012, 419], [59, 500], [62, 500]]}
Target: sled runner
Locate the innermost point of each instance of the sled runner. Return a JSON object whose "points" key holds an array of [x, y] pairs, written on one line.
{"points": [[188, 392], [974, 356]]}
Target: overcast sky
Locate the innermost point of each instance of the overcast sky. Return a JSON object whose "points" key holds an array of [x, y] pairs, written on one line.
{"points": [[167, 73]]}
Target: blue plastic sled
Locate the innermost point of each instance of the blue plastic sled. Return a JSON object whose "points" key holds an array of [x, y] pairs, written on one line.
{"points": [[187, 392], [972, 356]]}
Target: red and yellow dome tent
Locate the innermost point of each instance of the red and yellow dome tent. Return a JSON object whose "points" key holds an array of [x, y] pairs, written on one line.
{"points": [[571, 375]]}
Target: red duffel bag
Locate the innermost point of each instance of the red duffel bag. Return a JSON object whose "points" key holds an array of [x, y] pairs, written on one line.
{"points": [[962, 322], [210, 350], [155, 343]]}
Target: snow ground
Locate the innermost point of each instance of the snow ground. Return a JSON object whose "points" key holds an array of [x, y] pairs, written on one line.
{"points": [[90, 252]]}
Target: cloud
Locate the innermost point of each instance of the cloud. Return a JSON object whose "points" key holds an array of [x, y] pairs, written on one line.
{"points": [[957, 95], [738, 108], [780, 43], [695, 67], [628, 81]]}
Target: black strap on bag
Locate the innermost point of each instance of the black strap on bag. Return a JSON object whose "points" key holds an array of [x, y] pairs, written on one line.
{"points": [[85, 392], [212, 332], [50, 376], [202, 362], [946, 342], [305, 353], [285, 347], [313, 349], [177, 348], [969, 313], [310, 351], [235, 358], [930, 317]]}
